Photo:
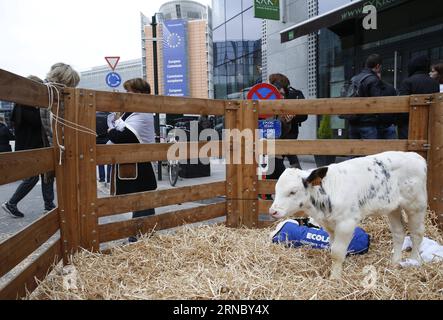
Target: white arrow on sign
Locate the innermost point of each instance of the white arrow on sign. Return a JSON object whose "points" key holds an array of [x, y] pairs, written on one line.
{"points": [[112, 62]]}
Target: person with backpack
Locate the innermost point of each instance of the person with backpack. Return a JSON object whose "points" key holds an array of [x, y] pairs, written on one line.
{"points": [[368, 84]]}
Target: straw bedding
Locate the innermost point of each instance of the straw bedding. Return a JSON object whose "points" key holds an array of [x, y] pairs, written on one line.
{"points": [[215, 262]]}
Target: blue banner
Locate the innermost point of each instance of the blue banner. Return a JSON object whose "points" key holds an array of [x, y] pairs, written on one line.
{"points": [[175, 60]]}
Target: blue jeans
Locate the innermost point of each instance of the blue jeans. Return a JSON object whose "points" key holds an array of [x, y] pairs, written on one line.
{"points": [[363, 132], [28, 184], [386, 133], [373, 132], [101, 173]]}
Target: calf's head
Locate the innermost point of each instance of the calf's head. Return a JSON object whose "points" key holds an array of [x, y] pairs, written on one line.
{"points": [[292, 191]]}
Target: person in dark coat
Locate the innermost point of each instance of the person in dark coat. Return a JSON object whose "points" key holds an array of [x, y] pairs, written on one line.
{"points": [[370, 85], [290, 123], [134, 128], [386, 122], [5, 135], [29, 135], [418, 82]]}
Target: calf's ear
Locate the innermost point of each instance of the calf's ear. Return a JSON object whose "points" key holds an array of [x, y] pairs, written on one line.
{"points": [[316, 177]]}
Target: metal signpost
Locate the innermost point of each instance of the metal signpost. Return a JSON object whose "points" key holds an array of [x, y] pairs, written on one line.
{"points": [[268, 129]]}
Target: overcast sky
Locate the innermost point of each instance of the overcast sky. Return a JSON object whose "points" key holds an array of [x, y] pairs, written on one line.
{"points": [[35, 34]]}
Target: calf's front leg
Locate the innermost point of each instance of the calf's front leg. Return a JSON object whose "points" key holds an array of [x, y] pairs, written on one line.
{"points": [[343, 234]]}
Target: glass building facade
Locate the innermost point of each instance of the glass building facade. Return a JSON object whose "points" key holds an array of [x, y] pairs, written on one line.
{"points": [[237, 47], [344, 47]]}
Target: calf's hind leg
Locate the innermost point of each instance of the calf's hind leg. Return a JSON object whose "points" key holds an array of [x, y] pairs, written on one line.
{"points": [[398, 234], [416, 224]]}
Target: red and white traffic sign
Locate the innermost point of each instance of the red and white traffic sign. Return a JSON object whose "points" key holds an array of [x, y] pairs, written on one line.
{"points": [[264, 91], [112, 62]]}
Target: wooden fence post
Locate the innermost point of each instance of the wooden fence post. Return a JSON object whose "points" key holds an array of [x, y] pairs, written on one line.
{"points": [[249, 166], [231, 148], [66, 175], [87, 171], [435, 164], [241, 178], [418, 121]]}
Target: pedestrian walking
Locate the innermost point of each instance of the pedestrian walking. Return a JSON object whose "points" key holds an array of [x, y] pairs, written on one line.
{"points": [[437, 74], [29, 135], [134, 127], [418, 82]]}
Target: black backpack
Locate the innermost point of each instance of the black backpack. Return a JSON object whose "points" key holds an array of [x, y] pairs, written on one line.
{"points": [[354, 87]]}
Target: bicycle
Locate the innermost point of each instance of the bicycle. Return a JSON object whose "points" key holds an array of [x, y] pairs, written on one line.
{"points": [[173, 165]]}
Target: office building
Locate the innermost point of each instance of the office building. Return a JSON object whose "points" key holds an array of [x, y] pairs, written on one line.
{"points": [[237, 38], [184, 49]]}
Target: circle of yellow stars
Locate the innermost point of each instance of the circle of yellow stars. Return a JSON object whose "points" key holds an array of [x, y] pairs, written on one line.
{"points": [[174, 40]]}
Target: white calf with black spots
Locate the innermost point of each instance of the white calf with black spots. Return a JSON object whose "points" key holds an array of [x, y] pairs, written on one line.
{"points": [[338, 197]]}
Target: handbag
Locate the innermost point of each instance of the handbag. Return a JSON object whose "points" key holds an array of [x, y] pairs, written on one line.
{"points": [[127, 171]]}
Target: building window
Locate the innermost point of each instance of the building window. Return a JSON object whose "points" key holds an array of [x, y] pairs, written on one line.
{"points": [[179, 12]]}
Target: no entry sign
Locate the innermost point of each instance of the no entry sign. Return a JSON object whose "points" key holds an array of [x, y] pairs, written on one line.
{"points": [[264, 91]]}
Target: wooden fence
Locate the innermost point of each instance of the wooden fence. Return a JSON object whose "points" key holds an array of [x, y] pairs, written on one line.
{"points": [[75, 222]]}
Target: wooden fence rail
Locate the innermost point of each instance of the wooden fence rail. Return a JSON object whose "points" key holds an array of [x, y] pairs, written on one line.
{"points": [[130, 153], [18, 247], [124, 229], [24, 164], [156, 199], [79, 209], [340, 147]]}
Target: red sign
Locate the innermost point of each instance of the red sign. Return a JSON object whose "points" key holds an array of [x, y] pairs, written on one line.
{"points": [[112, 62], [264, 91]]}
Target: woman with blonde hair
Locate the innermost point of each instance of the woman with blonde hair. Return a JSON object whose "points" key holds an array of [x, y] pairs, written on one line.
{"points": [[60, 75]]}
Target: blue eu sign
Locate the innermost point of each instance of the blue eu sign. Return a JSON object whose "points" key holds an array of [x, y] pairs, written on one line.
{"points": [[269, 129], [113, 80], [175, 60]]}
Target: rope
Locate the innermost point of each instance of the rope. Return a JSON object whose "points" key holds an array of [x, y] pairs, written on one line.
{"points": [[54, 87]]}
